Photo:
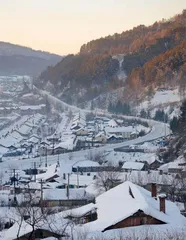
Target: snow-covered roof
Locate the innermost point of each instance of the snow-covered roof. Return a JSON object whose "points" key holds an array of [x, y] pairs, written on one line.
{"points": [[126, 199], [51, 171], [81, 180], [112, 123], [78, 122], [146, 177], [133, 165], [100, 134], [173, 165], [61, 194], [33, 140], [86, 163], [67, 142], [53, 223], [128, 129], [81, 211], [32, 107]]}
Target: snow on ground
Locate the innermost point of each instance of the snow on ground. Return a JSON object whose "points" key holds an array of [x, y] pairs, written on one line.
{"points": [[115, 157], [152, 232], [61, 194], [162, 97], [149, 147]]}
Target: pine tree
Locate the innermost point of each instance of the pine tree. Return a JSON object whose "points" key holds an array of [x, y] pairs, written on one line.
{"points": [[182, 119], [174, 124], [143, 113]]}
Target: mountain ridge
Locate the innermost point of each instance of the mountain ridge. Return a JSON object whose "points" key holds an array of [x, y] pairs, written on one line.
{"points": [[144, 50], [21, 60]]}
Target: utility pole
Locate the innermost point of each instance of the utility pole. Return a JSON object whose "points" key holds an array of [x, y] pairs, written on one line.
{"points": [[77, 177], [14, 183], [35, 171], [53, 146], [40, 159], [46, 158], [14, 179], [165, 124], [17, 179], [68, 192], [41, 198], [41, 190]]}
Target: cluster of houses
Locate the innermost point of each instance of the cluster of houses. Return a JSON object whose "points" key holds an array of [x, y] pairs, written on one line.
{"points": [[76, 132], [35, 135], [19, 138], [127, 207], [101, 130], [61, 187], [24, 110]]}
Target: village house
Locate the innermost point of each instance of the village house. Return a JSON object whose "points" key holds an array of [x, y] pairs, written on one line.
{"points": [[78, 122], [174, 167], [124, 132], [45, 150], [52, 226], [129, 205], [139, 166], [83, 142], [114, 138], [155, 164], [100, 137], [81, 215], [85, 166], [81, 132], [65, 197], [112, 123], [32, 109]]}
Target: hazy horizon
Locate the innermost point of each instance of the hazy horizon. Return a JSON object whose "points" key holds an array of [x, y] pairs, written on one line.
{"points": [[61, 26]]}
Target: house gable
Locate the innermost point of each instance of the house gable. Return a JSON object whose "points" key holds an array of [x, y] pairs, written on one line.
{"points": [[137, 219]]}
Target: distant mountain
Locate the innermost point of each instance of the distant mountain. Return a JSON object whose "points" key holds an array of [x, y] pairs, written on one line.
{"points": [[151, 57], [15, 59]]}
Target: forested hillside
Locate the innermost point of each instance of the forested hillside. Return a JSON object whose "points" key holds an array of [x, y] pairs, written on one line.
{"points": [[177, 146], [168, 68], [141, 43], [82, 75], [154, 56], [138, 38]]}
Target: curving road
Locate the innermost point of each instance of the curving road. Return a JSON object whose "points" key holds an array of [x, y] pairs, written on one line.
{"points": [[159, 129]]}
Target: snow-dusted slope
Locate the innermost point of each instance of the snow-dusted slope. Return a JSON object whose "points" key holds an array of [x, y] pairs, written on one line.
{"points": [[162, 97]]}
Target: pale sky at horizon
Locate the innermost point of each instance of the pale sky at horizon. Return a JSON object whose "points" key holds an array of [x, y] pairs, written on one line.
{"points": [[62, 26]]}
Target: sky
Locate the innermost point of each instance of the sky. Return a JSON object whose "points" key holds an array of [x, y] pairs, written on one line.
{"points": [[62, 26]]}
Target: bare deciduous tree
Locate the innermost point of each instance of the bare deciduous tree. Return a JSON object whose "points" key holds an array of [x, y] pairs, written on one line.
{"points": [[108, 179], [96, 156], [37, 215]]}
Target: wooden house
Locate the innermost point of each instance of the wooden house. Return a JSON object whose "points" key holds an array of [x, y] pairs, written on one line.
{"points": [[129, 205]]}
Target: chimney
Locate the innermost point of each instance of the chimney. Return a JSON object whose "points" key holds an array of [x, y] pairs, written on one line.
{"points": [[153, 190], [162, 198]]}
